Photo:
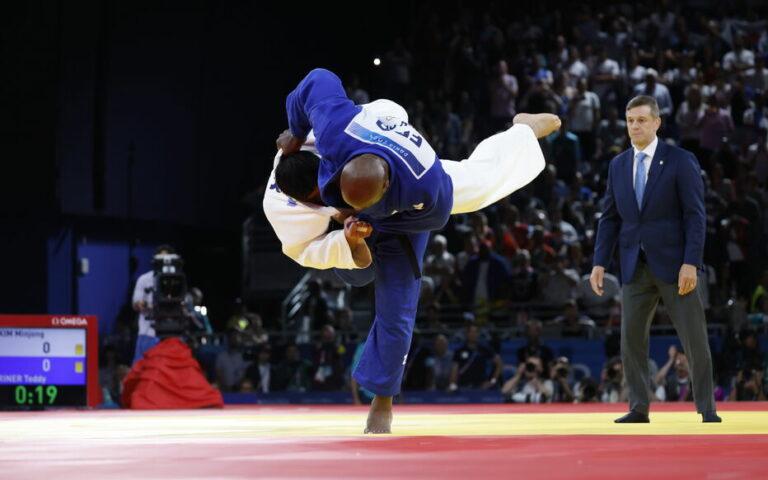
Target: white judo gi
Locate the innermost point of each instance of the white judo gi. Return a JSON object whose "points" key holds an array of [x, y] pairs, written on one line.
{"points": [[500, 165]]}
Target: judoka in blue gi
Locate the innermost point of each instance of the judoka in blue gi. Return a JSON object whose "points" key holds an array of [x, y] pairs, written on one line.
{"points": [[382, 168], [391, 176]]}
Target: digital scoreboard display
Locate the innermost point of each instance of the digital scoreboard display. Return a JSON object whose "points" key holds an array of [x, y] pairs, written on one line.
{"points": [[48, 361]]}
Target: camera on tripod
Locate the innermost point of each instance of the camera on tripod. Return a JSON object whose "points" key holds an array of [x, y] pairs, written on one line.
{"points": [[169, 315]]}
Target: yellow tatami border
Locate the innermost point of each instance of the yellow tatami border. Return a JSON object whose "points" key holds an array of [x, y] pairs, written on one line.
{"points": [[190, 425]]}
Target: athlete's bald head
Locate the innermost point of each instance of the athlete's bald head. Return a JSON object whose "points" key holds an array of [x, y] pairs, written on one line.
{"points": [[364, 179]]}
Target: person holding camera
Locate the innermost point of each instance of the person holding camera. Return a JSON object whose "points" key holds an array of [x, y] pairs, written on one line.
{"points": [[612, 387], [749, 384], [560, 375], [529, 385], [142, 303], [674, 386]]}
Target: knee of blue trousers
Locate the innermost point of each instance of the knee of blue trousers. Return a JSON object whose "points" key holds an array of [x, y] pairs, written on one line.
{"points": [[358, 277]]}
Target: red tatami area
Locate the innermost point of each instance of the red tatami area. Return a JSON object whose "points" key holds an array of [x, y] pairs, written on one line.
{"points": [[267, 442]]}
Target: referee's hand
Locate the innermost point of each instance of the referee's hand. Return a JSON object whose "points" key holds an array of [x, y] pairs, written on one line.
{"points": [[596, 279]]}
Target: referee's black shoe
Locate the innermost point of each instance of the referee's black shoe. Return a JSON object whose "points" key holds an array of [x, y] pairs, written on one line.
{"points": [[633, 417]]}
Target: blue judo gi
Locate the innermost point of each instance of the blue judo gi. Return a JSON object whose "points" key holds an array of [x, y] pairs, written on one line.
{"points": [[418, 200]]}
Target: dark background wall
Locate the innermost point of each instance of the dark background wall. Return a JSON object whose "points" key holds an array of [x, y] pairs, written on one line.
{"points": [[136, 123]]}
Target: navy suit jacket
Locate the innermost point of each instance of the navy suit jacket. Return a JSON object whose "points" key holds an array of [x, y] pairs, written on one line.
{"points": [[670, 223]]}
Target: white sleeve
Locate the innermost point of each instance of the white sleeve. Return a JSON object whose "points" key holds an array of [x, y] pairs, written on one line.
{"points": [[302, 230], [499, 166], [144, 281]]}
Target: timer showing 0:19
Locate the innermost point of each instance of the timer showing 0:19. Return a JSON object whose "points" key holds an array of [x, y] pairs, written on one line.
{"points": [[39, 395]]}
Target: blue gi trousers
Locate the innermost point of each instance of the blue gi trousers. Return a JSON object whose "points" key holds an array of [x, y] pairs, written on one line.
{"points": [[382, 363]]}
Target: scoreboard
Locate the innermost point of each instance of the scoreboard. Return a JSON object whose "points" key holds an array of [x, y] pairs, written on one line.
{"points": [[48, 361]]}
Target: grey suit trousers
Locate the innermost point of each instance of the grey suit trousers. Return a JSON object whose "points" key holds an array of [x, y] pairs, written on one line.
{"points": [[640, 297]]}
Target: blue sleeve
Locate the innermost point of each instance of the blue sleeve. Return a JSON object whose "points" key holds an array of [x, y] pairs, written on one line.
{"points": [[319, 87], [609, 226], [691, 188]]}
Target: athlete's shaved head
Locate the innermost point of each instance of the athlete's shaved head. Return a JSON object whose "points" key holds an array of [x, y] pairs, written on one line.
{"points": [[364, 180]]}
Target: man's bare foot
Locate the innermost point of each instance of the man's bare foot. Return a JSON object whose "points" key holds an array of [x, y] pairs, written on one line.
{"points": [[542, 124], [380, 416]]}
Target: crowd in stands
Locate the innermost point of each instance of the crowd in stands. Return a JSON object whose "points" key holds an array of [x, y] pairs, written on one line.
{"points": [[522, 265]]}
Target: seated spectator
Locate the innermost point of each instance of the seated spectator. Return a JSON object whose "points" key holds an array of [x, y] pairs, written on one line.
{"points": [[329, 362], [572, 323], [471, 362], [562, 390], [749, 384], [760, 295], [316, 305], [687, 118], [534, 347], [565, 151], [715, 124], [528, 385], [598, 306], [443, 363], [502, 90], [584, 117], [471, 248], [576, 68], [757, 158], [420, 365], [524, 282], [486, 279], [251, 327], [674, 385], [634, 73], [260, 372], [231, 365], [740, 59], [293, 374], [440, 265], [758, 79], [612, 387], [605, 75], [111, 375], [433, 322], [611, 132], [541, 253], [347, 331], [653, 88], [586, 391], [557, 283]]}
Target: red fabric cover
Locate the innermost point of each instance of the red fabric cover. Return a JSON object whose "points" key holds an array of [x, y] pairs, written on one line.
{"points": [[168, 377]]}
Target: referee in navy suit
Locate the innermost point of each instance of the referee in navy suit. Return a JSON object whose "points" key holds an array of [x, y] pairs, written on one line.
{"points": [[654, 210]]}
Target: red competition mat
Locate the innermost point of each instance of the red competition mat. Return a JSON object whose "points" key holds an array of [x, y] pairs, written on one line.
{"points": [[429, 441]]}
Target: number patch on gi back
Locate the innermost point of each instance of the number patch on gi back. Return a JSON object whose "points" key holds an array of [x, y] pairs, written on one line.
{"points": [[397, 136]]}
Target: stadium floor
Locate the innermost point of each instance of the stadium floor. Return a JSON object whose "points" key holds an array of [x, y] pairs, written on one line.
{"points": [[445, 442]]}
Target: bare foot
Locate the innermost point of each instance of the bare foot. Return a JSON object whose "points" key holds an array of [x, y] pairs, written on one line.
{"points": [[542, 124], [380, 416]]}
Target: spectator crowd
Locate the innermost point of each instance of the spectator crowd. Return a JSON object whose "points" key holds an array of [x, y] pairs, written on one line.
{"points": [[521, 266]]}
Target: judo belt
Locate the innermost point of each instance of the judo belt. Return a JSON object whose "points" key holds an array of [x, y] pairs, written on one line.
{"points": [[408, 248]]}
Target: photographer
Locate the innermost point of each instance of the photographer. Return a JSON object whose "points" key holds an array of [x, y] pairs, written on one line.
{"points": [[748, 385], [612, 386], [142, 303], [560, 376], [528, 385]]}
